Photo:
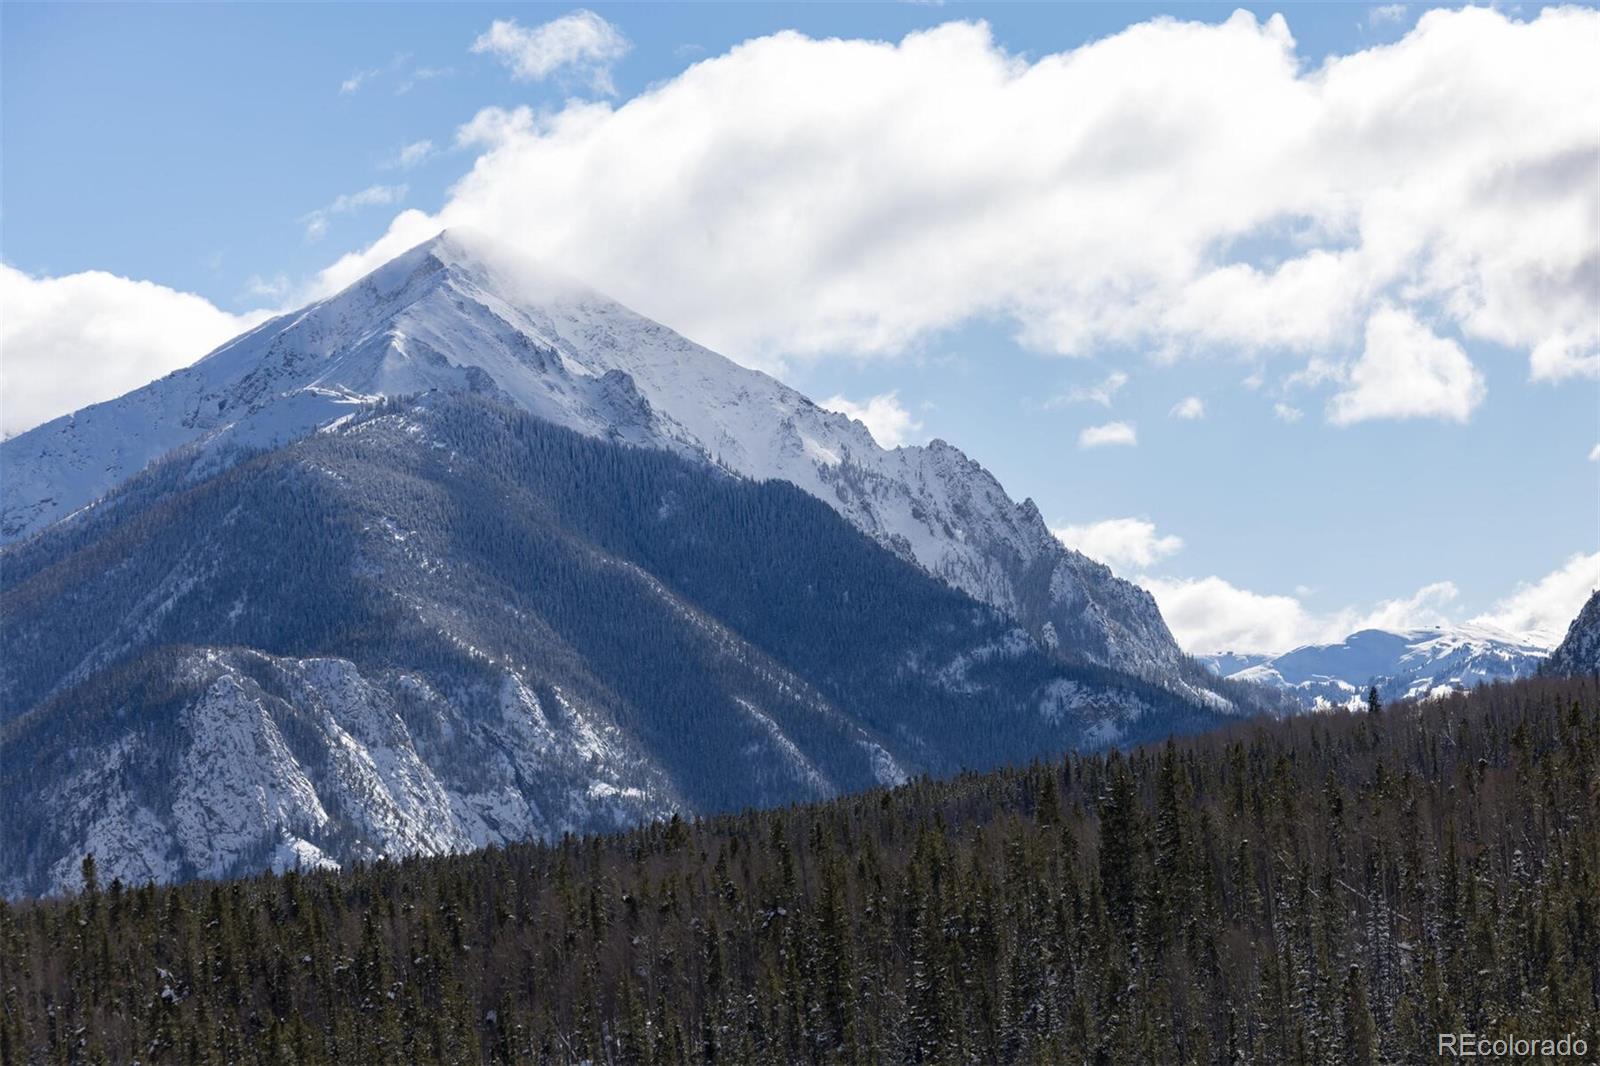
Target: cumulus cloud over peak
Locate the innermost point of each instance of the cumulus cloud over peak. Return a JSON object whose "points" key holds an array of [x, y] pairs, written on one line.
{"points": [[1544, 608], [1111, 195], [890, 424], [1120, 543], [1210, 614], [1178, 188], [75, 340]]}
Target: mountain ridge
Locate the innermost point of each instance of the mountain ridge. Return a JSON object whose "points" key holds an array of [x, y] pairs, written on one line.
{"points": [[445, 623], [458, 314]]}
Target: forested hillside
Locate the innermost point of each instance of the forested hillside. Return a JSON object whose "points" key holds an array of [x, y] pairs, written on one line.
{"points": [[1328, 889], [445, 624]]}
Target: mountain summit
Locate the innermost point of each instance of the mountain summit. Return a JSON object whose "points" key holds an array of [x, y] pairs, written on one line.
{"points": [[459, 313]]}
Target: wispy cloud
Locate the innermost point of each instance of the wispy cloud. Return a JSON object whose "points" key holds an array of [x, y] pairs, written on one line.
{"points": [[1190, 408], [316, 222], [1101, 393], [1385, 14], [402, 71], [410, 79], [410, 155], [1109, 435], [1286, 412], [355, 81], [275, 288], [1542, 609], [581, 42]]}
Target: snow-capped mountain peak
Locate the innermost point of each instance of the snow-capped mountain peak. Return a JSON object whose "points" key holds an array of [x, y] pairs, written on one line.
{"points": [[459, 313], [1401, 663]]}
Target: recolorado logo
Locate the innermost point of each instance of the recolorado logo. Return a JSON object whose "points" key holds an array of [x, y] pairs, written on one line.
{"points": [[1475, 1045]]}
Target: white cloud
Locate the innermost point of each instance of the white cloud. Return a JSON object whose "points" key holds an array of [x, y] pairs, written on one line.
{"points": [[401, 71], [1120, 543], [1190, 407], [354, 82], [1210, 614], [890, 424], [1594, 454], [1286, 413], [582, 41], [1406, 371], [275, 289], [82, 338], [411, 78], [1093, 198], [1102, 393], [1385, 13], [493, 126], [1543, 609], [413, 154], [1112, 433], [1563, 356], [316, 222], [1426, 607]]}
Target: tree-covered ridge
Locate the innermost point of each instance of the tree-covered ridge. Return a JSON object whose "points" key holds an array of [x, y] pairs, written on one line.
{"points": [[1329, 889], [552, 632]]}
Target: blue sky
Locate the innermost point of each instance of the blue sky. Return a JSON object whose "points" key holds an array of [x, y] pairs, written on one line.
{"points": [[238, 152]]}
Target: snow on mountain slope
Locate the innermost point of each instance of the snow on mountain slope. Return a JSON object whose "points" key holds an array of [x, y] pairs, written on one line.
{"points": [[1403, 664], [456, 313], [275, 752], [1579, 651], [444, 622]]}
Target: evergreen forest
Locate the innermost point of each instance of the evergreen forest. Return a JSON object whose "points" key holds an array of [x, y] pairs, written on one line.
{"points": [[1330, 888]]}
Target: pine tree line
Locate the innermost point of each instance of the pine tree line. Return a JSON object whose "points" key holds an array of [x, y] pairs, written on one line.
{"points": [[1333, 888]]}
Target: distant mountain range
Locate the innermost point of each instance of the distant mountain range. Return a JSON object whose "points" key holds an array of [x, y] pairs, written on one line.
{"points": [[1410, 663], [467, 553]]}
